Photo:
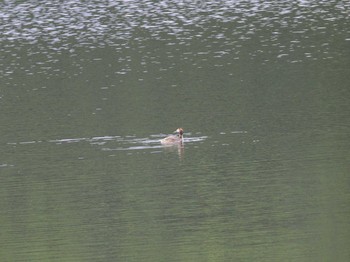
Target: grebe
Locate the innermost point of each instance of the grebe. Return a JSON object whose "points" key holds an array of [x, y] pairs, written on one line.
{"points": [[174, 139]]}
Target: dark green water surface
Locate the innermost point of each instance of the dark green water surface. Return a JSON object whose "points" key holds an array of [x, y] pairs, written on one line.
{"points": [[261, 88]]}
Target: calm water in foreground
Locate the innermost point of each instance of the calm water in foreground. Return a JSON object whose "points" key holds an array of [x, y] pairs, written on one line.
{"points": [[261, 88]]}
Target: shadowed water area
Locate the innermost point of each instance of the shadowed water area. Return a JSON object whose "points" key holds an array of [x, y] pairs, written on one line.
{"points": [[261, 88]]}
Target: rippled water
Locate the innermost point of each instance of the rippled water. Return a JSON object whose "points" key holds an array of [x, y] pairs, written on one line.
{"points": [[88, 88], [294, 31]]}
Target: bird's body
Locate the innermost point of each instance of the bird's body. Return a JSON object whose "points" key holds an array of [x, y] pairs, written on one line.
{"points": [[173, 139]]}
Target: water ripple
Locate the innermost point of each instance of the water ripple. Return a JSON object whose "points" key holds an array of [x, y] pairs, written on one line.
{"points": [[116, 143], [284, 29]]}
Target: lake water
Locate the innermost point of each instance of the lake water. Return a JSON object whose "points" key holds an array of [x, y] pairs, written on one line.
{"points": [[261, 88]]}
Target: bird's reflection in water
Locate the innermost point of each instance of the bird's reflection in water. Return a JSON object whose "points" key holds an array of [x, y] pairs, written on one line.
{"points": [[179, 148]]}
